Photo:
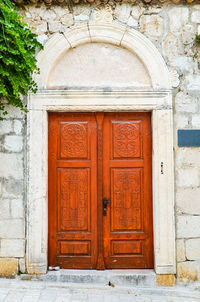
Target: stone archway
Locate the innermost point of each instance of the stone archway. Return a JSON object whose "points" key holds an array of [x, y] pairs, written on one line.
{"points": [[155, 98], [112, 33]]}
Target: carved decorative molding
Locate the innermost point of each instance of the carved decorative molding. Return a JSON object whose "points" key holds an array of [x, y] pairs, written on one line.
{"points": [[103, 15], [174, 77]]}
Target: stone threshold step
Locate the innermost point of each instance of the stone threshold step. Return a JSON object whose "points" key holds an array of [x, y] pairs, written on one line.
{"points": [[143, 278]]}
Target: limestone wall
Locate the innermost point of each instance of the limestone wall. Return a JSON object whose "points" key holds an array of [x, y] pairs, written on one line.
{"points": [[172, 29], [12, 192]]}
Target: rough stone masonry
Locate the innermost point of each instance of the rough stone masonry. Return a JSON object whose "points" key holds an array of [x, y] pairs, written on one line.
{"points": [[172, 29]]}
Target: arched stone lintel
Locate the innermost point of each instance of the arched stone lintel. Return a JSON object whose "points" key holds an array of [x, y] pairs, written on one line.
{"points": [[112, 33]]}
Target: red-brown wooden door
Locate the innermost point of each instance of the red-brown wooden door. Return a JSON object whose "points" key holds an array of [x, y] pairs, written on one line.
{"points": [[92, 156], [72, 190], [127, 184]]}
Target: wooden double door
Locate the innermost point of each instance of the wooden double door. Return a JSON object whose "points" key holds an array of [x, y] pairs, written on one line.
{"points": [[100, 190]]}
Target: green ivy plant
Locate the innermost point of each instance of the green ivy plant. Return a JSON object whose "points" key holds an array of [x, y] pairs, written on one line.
{"points": [[17, 57]]}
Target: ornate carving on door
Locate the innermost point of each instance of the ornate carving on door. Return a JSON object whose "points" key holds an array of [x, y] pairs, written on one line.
{"points": [[96, 156]]}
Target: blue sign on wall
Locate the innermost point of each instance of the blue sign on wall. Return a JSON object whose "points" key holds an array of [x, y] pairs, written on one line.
{"points": [[189, 138]]}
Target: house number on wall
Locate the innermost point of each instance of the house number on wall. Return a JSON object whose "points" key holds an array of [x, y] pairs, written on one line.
{"points": [[161, 167]]}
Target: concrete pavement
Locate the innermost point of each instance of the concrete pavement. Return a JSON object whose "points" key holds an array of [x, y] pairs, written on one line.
{"points": [[15, 290]]}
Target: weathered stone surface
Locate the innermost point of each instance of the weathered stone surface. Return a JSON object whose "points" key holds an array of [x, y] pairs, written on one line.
{"points": [[81, 10], [178, 18], [35, 13], [14, 112], [5, 208], [186, 103], [49, 15], [186, 36], [6, 127], [22, 265], [132, 22], [196, 120], [188, 177], [12, 248], [13, 143], [12, 228], [38, 27], [180, 250], [134, 278], [81, 18], [53, 291], [188, 200], [187, 107], [54, 26], [11, 166], [18, 127], [181, 120], [17, 208], [195, 17], [42, 38], [165, 280], [192, 247], [183, 64], [137, 11], [60, 12], [188, 157], [187, 271], [12, 188], [193, 82], [151, 25], [101, 63], [172, 46], [122, 12], [188, 226], [8, 267], [67, 20]]}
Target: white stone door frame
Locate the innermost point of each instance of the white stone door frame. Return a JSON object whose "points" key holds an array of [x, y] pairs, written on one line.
{"points": [[158, 100], [159, 103]]}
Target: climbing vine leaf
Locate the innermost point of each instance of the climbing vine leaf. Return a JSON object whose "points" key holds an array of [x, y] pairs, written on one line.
{"points": [[17, 57]]}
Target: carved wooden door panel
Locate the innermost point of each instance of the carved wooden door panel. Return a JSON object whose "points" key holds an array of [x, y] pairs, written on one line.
{"points": [[91, 156], [128, 231], [72, 190]]}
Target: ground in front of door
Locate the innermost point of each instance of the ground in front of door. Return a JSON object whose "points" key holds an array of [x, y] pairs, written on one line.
{"points": [[39, 291]]}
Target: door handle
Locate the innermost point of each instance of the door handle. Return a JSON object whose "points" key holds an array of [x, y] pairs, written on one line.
{"points": [[105, 203]]}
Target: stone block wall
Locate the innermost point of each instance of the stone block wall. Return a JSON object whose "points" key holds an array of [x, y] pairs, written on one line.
{"points": [[12, 192], [187, 167], [172, 29]]}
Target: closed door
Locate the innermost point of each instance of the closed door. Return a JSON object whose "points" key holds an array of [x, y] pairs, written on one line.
{"points": [[100, 193]]}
